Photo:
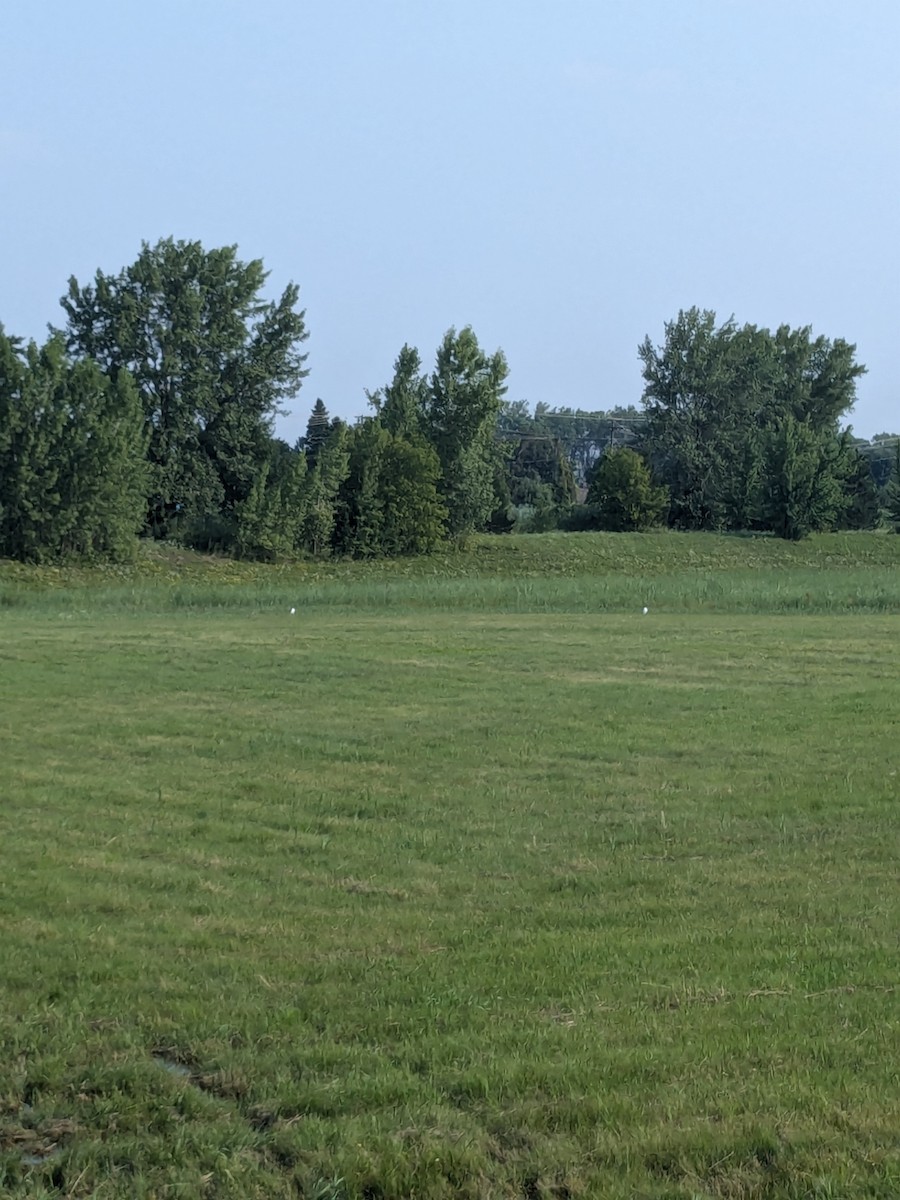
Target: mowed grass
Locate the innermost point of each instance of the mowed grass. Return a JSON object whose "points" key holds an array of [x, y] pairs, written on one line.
{"points": [[415, 899]]}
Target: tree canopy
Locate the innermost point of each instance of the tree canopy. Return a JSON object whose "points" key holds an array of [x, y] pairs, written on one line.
{"points": [[212, 362], [728, 406], [152, 411], [461, 407], [72, 456]]}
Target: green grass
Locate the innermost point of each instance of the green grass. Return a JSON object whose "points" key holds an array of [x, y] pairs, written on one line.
{"points": [[533, 573], [453, 887]]}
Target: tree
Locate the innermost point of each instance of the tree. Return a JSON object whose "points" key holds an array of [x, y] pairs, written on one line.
{"points": [[541, 462], [401, 404], [714, 394], [212, 363], [359, 521], [318, 430], [321, 492], [103, 483], [863, 507], [389, 503], [584, 436], [892, 490], [31, 427], [460, 418], [879, 454], [623, 493], [73, 473], [414, 517], [805, 470], [270, 522]]}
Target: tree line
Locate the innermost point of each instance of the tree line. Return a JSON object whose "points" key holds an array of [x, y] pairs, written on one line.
{"points": [[151, 412]]}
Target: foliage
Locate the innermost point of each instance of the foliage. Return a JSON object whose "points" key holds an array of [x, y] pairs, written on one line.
{"points": [[862, 502], [321, 492], [892, 490], [460, 419], [72, 466], [805, 471], [360, 517], [318, 430], [719, 399], [401, 405], [879, 454], [271, 521], [414, 516], [390, 502], [622, 493], [540, 471], [212, 362], [740, 425], [581, 436]]}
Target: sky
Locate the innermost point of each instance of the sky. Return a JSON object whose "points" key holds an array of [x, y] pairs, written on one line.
{"points": [[562, 177]]}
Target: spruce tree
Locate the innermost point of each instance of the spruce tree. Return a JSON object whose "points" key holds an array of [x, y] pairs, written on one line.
{"points": [[318, 430]]}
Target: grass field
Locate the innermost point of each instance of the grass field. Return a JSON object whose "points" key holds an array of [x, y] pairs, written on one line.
{"points": [[468, 880]]}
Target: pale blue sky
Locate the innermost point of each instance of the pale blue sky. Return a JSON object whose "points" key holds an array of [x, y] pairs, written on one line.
{"points": [[564, 177]]}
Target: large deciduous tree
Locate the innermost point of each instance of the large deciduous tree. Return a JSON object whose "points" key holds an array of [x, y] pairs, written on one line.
{"points": [[727, 406], [212, 362]]}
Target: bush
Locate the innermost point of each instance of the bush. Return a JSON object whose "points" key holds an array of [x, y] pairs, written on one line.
{"points": [[623, 495]]}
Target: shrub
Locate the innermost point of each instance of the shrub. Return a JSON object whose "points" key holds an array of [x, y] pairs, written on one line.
{"points": [[622, 493]]}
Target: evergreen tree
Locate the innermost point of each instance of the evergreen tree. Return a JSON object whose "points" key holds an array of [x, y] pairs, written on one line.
{"points": [[318, 430]]}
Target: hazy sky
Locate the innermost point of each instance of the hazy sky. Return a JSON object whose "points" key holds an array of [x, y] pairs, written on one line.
{"points": [[563, 177]]}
